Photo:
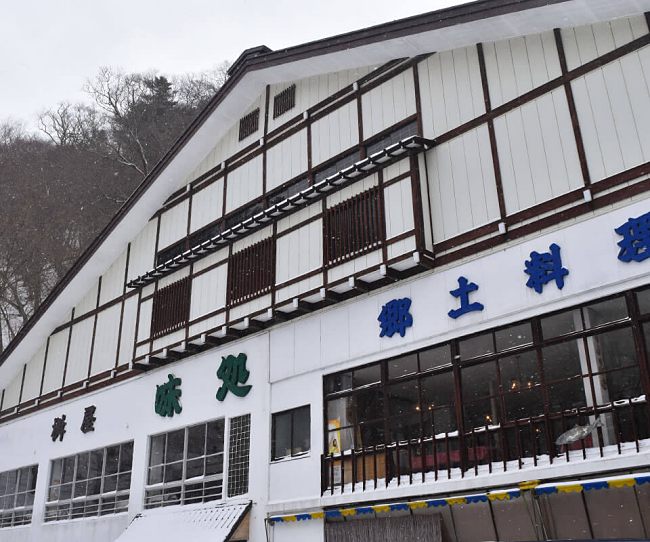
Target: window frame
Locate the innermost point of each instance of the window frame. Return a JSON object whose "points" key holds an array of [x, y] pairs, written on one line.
{"points": [[102, 498], [292, 412], [184, 482], [531, 344], [25, 510]]}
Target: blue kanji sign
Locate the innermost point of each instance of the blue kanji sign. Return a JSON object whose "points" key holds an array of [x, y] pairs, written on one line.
{"points": [[635, 245], [462, 292], [545, 267], [395, 317]]}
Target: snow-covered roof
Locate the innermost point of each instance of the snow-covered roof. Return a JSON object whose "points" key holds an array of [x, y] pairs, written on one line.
{"points": [[204, 524], [458, 26]]}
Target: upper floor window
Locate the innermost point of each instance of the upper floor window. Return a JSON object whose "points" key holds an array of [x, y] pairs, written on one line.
{"points": [[291, 433], [251, 271], [353, 226], [283, 101], [249, 124], [88, 484], [386, 140], [186, 466], [171, 307], [17, 488], [171, 251]]}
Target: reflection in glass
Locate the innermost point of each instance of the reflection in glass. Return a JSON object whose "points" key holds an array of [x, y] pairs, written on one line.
{"points": [[512, 336]]}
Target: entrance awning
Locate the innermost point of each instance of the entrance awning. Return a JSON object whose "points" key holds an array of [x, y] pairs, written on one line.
{"points": [[206, 524]]}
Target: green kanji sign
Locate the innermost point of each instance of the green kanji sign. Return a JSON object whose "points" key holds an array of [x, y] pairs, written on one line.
{"points": [[233, 372], [167, 396]]}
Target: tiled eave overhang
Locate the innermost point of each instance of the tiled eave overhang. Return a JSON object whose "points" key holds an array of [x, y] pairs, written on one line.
{"points": [[357, 171]]}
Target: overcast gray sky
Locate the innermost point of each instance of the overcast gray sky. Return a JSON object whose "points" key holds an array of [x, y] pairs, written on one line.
{"points": [[49, 48]]}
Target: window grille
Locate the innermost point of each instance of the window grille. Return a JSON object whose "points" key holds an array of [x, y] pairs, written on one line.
{"points": [[238, 455], [251, 271], [17, 488], [171, 308], [353, 226], [89, 484], [249, 124], [186, 466], [283, 101]]}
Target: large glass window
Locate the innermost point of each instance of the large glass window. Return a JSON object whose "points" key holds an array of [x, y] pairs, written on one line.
{"points": [[186, 465], [291, 433], [512, 390], [88, 484], [17, 489]]}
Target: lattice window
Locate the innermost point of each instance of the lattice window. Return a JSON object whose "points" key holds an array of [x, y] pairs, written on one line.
{"points": [[89, 484], [249, 124], [171, 251], [283, 101], [392, 137], [186, 466], [353, 226], [171, 308], [17, 488], [251, 271], [238, 455]]}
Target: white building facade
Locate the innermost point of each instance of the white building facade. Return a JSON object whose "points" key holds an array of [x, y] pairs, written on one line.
{"points": [[366, 295]]}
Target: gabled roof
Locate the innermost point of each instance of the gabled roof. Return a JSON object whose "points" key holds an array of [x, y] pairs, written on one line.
{"points": [[459, 26]]}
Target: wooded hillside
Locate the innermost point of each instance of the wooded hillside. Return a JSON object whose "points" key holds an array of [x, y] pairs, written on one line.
{"points": [[61, 185]]}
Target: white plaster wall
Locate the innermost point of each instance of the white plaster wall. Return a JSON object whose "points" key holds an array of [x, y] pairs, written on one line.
{"points": [[126, 412]]}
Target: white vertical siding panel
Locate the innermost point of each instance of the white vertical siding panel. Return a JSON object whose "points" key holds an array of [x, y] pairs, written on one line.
{"points": [[208, 292], [388, 103], [143, 248], [624, 118], [299, 251], [144, 324], [55, 362], [33, 375], [334, 133], [613, 105], [585, 43], [12, 391], [173, 224], [286, 160], [207, 205], [555, 119], [518, 65], [113, 280], [592, 104], [311, 90], [451, 92], [80, 343], [537, 152], [636, 73], [462, 188], [127, 337], [244, 184], [88, 302], [398, 204], [105, 347]]}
